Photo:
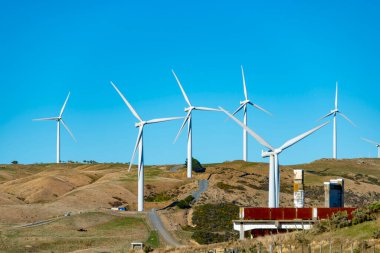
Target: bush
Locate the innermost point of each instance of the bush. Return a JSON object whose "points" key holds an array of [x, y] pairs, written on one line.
{"points": [[367, 213], [321, 227], [376, 234], [185, 203], [197, 166], [159, 197], [229, 188], [206, 237], [148, 248], [340, 220], [215, 217], [14, 162]]}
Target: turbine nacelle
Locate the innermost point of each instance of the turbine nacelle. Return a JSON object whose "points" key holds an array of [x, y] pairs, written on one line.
{"points": [[245, 102], [189, 109], [141, 123], [269, 153]]}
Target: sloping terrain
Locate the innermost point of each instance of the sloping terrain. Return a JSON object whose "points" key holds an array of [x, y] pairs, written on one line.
{"points": [[30, 193]]}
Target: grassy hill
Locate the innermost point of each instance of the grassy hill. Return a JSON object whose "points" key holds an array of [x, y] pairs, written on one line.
{"points": [[30, 193]]}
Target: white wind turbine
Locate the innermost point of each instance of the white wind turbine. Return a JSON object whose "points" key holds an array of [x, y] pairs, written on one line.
{"points": [[375, 143], [139, 146], [334, 113], [59, 121], [272, 153], [188, 119], [243, 105]]}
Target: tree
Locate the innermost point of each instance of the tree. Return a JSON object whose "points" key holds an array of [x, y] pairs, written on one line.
{"points": [[14, 162], [197, 166]]}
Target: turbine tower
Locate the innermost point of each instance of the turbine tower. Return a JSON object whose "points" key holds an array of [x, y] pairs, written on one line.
{"points": [[243, 105], [273, 153], [188, 119], [335, 112], [139, 145], [377, 145], [59, 121]]}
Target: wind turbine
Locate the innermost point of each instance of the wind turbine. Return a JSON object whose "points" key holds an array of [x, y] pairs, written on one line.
{"points": [[273, 153], [377, 145], [188, 119], [59, 121], [334, 113], [243, 105], [139, 145]]}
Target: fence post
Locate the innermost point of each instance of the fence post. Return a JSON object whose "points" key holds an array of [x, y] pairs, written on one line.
{"points": [[320, 248], [281, 246], [352, 247], [374, 247], [341, 247], [259, 250], [290, 248], [330, 246], [271, 248], [301, 247]]}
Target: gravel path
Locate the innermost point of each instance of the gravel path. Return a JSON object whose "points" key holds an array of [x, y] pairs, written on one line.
{"points": [[157, 224]]}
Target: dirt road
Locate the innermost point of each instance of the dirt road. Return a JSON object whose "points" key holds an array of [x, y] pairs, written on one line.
{"points": [[157, 224]]}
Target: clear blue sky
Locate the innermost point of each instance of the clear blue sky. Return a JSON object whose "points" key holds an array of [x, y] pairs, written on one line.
{"points": [[292, 51]]}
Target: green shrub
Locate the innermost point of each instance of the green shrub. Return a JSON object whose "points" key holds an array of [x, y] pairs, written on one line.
{"points": [[206, 237], [339, 220], [215, 217], [229, 188], [196, 165], [185, 203], [367, 213], [376, 234], [159, 197]]}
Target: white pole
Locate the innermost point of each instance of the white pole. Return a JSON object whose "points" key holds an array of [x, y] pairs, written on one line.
{"points": [[378, 152], [58, 142], [277, 175], [189, 149], [271, 196], [140, 195], [335, 139], [245, 141]]}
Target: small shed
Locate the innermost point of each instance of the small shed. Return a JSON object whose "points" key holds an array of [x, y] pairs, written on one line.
{"points": [[137, 245]]}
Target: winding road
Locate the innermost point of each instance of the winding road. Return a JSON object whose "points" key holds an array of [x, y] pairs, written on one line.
{"points": [[202, 187], [157, 223]]}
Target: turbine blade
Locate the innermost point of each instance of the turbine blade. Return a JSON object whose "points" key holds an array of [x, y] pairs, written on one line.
{"points": [[64, 106], [68, 130], [55, 118], [183, 125], [244, 84], [238, 109], [136, 147], [369, 141], [127, 103], [327, 115], [206, 109], [183, 91], [162, 120], [300, 137], [254, 135], [346, 118], [336, 96], [261, 109]]}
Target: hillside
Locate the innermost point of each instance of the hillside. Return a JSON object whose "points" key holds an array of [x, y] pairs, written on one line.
{"points": [[30, 193]]}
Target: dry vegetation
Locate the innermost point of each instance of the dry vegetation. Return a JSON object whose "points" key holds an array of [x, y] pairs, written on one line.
{"points": [[30, 193]]}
